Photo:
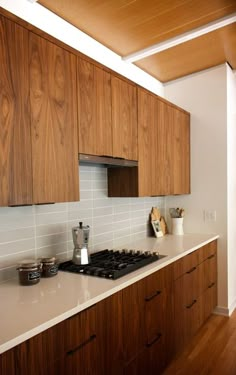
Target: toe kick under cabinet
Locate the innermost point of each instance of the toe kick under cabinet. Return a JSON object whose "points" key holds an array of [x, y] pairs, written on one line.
{"points": [[137, 330]]}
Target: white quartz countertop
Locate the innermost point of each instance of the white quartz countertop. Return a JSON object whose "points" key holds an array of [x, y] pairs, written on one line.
{"points": [[28, 310]]}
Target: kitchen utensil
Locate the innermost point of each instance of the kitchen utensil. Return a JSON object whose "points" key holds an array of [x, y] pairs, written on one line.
{"points": [[80, 238]]}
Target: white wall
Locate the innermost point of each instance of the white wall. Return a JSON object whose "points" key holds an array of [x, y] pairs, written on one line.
{"points": [[204, 95], [231, 191], [47, 21]]}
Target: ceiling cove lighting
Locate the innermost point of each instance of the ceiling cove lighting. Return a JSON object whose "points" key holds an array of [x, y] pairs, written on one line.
{"points": [[169, 43]]}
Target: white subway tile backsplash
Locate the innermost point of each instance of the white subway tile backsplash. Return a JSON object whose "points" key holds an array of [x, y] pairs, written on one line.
{"points": [[45, 230], [51, 218], [80, 215], [105, 202], [102, 211], [8, 248], [86, 194], [121, 216], [16, 234], [97, 194], [10, 222], [14, 259], [85, 185], [51, 239], [47, 208], [52, 250], [99, 184], [122, 208]]}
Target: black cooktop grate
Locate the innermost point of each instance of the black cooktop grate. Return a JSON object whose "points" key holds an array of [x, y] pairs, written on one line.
{"points": [[112, 264]]}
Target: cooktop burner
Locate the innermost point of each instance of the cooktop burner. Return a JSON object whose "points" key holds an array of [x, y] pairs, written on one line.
{"points": [[112, 264]]}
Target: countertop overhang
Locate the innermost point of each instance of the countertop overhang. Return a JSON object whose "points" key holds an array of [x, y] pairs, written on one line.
{"points": [[26, 311]]}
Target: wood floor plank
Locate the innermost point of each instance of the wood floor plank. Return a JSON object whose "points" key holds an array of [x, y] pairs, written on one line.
{"points": [[211, 352]]}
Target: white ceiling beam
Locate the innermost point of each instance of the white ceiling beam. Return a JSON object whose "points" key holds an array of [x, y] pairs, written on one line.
{"points": [[169, 43]]}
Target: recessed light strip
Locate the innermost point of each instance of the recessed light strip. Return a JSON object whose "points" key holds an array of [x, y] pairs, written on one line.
{"points": [[159, 47]]}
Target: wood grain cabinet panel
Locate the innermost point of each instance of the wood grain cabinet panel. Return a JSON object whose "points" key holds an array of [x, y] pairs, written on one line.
{"points": [[110, 334], [181, 152], [53, 122], [124, 119], [163, 152], [15, 135], [7, 363], [147, 107], [94, 109]]}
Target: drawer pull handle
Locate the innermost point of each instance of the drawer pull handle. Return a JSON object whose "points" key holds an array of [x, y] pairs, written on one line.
{"points": [[211, 256], [154, 340], [191, 270], [191, 304], [211, 285], [91, 338], [147, 299]]}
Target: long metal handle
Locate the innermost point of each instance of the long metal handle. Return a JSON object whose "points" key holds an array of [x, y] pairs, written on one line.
{"points": [[191, 270], [153, 295], [211, 285], [158, 336], [211, 256], [91, 338], [191, 304]]}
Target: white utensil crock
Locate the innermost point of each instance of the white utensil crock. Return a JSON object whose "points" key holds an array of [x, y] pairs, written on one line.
{"points": [[177, 225]]}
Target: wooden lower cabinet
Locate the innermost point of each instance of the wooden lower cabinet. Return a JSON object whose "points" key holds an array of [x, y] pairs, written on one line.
{"points": [[195, 292], [135, 331]]}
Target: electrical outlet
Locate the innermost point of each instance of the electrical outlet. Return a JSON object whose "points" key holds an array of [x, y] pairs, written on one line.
{"points": [[209, 215]]}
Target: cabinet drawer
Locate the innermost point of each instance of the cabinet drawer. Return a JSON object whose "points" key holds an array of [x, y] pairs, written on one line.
{"points": [[207, 273], [80, 329], [207, 251], [187, 287], [158, 281], [185, 264], [156, 312], [208, 302]]}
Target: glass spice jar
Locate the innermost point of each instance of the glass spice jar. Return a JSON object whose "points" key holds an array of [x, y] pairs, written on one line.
{"points": [[29, 272], [49, 267]]}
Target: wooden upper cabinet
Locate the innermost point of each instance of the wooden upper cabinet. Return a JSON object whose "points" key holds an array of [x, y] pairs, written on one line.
{"points": [[146, 142], [53, 122], [124, 119], [164, 147], [94, 109], [181, 152], [155, 145], [15, 138]]}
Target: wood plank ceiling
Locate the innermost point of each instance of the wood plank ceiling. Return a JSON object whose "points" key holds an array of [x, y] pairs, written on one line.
{"points": [[127, 26]]}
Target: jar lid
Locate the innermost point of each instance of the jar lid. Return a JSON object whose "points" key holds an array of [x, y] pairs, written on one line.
{"points": [[48, 260], [29, 263]]}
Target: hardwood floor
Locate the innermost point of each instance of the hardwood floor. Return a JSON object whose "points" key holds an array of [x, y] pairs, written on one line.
{"points": [[211, 352]]}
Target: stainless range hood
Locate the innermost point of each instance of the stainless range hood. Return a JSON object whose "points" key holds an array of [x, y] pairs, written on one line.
{"points": [[106, 161]]}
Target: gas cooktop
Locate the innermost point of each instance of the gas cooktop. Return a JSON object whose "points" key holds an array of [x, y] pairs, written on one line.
{"points": [[112, 264]]}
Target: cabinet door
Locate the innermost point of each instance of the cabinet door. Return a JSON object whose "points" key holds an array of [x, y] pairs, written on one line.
{"points": [[54, 122], [15, 138], [94, 109], [83, 360], [40, 354], [124, 119], [163, 150], [146, 142], [110, 334], [7, 363], [186, 308], [133, 319], [181, 152]]}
